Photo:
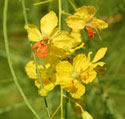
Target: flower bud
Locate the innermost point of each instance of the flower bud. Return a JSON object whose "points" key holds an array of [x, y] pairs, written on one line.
{"points": [[42, 92], [86, 115]]}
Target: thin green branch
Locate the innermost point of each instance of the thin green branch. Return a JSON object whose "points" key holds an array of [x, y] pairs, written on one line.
{"points": [[37, 69], [60, 11], [66, 107], [35, 60], [73, 6], [65, 13], [56, 111], [74, 102], [9, 60], [60, 18], [43, 2], [24, 12], [61, 103], [99, 36]]}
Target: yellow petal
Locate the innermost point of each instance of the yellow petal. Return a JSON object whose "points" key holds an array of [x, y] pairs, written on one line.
{"points": [[50, 62], [33, 33], [37, 83], [76, 34], [93, 66], [63, 40], [64, 68], [89, 56], [86, 115], [88, 76], [98, 24], [68, 42], [56, 52], [48, 84], [30, 69], [100, 54], [54, 32], [81, 45], [78, 90], [75, 22], [48, 23], [55, 80], [66, 82], [86, 12], [80, 63]]}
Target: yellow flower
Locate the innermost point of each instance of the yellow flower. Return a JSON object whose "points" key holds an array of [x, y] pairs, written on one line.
{"points": [[50, 35], [84, 18], [72, 77], [47, 75], [64, 75], [85, 68]]}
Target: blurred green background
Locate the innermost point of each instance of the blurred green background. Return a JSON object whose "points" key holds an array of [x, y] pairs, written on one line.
{"points": [[110, 104]]}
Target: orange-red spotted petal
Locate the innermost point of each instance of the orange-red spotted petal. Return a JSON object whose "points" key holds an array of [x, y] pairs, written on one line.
{"points": [[42, 50], [91, 33]]}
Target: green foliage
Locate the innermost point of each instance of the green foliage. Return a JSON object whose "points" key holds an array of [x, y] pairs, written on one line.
{"points": [[103, 99]]}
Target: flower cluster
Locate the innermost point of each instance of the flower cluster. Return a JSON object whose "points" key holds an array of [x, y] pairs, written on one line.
{"points": [[54, 46]]}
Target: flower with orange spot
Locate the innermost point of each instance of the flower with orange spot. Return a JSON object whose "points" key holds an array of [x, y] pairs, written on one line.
{"points": [[84, 18], [72, 77], [51, 36], [42, 50]]}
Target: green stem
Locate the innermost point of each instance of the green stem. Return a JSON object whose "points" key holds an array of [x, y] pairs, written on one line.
{"points": [[43, 2], [9, 60], [60, 18], [37, 69], [35, 60], [24, 12], [61, 103], [56, 111], [60, 13], [66, 107], [73, 6], [65, 13], [98, 34], [74, 102]]}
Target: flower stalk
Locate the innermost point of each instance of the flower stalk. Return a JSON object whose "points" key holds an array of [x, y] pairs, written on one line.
{"points": [[35, 60], [60, 13], [73, 6], [60, 18], [46, 1]]}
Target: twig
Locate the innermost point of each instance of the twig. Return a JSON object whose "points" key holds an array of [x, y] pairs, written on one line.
{"points": [[43, 2], [73, 6], [56, 111]]}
